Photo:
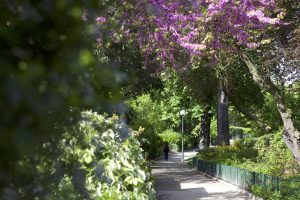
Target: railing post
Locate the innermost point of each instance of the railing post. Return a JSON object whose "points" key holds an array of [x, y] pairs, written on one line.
{"points": [[265, 183], [241, 177], [237, 177], [253, 178], [277, 183]]}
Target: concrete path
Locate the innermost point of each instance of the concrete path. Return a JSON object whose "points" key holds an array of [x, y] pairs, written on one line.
{"points": [[175, 181]]}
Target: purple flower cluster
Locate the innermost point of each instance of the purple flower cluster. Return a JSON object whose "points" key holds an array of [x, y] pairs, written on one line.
{"points": [[101, 19], [171, 29]]}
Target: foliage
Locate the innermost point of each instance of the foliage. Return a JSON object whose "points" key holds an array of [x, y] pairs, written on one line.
{"points": [[143, 112], [175, 96], [213, 130], [274, 156], [293, 101], [158, 111], [266, 154], [288, 190], [49, 73], [180, 34], [202, 81], [247, 142], [265, 193], [280, 58], [171, 137], [269, 112], [114, 46], [201, 28], [231, 155], [97, 158]]}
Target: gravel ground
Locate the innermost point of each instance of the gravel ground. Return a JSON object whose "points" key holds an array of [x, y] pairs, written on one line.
{"points": [[174, 180]]}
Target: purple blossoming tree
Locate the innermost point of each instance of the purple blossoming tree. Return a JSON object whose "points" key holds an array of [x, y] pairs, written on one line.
{"points": [[178, 32]]}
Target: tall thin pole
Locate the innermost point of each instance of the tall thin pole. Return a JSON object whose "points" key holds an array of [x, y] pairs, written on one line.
{"points": [[182, 159]]}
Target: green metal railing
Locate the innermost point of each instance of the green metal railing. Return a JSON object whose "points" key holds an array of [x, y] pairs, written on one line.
{"points": [[245, 179]]}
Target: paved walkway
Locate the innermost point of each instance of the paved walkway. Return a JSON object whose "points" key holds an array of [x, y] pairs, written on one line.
{"points": [[175, 181]]}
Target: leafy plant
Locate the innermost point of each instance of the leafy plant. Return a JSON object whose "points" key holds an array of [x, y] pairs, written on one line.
{"points": [[265, 193], [171, 137], [97, 158], [266, 154], [231, 155]]}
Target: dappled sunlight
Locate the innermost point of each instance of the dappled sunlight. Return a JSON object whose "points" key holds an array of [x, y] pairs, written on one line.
{"points": [[92, 93], [174, 180]]}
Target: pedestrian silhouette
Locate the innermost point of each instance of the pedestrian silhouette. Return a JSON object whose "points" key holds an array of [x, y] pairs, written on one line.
{"points": [[166, 150]]}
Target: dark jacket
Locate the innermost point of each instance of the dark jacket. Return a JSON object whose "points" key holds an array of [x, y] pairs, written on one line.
{"points": [[166, 148]]}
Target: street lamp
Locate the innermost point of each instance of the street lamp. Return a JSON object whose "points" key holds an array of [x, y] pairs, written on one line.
{"points": [[182, 113]]}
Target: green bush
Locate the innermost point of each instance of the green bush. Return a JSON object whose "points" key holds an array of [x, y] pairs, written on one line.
{"points": [[113, 165], [151, 143], [171, 137], [143, 112], [248, 142], [231, 155], [274, 157], [265, 193], [48, 72], [266, 155], [97, 158], [289, 188]]}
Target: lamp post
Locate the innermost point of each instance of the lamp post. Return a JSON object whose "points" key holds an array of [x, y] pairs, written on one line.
{"points": [[182, 113]]}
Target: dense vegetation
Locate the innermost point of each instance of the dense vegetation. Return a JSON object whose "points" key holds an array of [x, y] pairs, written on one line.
{"points": [[263, 155], [97, 157], [52, 69], [232, 65], [266, 154]]}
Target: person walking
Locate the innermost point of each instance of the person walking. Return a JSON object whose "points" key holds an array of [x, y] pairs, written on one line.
{"points": [[166, 151]]}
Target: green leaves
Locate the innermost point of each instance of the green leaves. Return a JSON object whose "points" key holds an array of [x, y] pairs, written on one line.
{"points": [[141, 174], [266, 154], [49, 73], [87, 158], [92, 162], [171, 137], [117, 167], [158, 113], [85, 57]]}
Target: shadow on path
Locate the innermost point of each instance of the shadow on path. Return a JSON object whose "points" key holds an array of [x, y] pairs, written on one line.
{"points": [[175, 181]]}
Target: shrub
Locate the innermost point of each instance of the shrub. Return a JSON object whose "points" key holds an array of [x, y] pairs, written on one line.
{"points": [[151, 143], [231, 155], [97, 158], [275, 158], [267, 155], [265, 193], [112, 165], [248, 142], [173, 138], [143, 112]]}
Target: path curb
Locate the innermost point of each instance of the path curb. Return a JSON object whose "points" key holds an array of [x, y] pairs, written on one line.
{"points": [[176, 180], [242, 190]]}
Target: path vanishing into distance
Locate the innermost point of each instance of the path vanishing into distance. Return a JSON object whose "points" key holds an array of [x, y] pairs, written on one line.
{"points": [[174, 180]]}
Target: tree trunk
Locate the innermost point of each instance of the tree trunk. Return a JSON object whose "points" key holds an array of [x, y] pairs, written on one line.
{"points": [[222, 120], [204, 140], [291, 135]]}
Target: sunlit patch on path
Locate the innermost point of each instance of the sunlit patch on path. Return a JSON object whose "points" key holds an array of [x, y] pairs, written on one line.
{"points": [[175, 181]]}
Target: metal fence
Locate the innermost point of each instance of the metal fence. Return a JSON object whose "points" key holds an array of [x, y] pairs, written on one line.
{"points": [[245, 179]]}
